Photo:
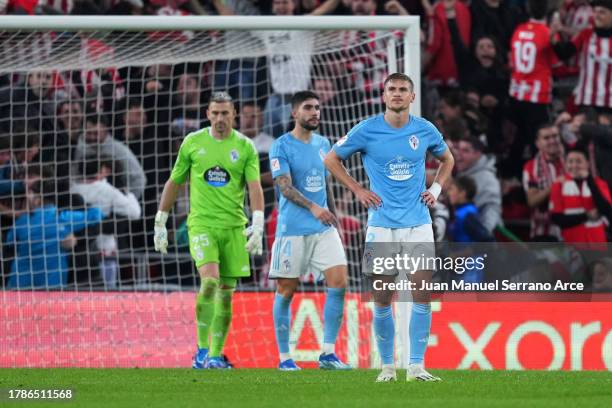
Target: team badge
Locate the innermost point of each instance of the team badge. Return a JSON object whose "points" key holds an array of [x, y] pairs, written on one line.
{"points": [[234, 155], [414, 142]]}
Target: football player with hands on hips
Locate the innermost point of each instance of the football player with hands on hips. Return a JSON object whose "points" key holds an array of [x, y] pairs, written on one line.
{"points": [[393, 147]]}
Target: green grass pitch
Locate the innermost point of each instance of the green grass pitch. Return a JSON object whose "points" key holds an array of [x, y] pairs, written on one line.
{"points": [[151, 388]]}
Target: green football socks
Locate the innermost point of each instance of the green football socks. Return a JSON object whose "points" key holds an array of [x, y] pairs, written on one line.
{"points": [[205, 309], [221, 322]]}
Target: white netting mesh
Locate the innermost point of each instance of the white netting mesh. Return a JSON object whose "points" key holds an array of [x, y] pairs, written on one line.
{"points": [[124, 101]]}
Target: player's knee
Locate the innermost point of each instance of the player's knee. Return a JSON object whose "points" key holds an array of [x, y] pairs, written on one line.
{"points": [[224, 299], [208, 287], [286, 288], [337, 277]]}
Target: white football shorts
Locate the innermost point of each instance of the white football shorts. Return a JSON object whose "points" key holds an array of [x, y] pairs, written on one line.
{"points": [[295, 256]]}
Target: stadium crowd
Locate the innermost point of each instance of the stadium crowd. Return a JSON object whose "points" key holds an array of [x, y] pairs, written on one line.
{"points": [[521, 90]]}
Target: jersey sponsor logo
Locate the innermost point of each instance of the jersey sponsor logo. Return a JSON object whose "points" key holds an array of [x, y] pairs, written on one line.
{"points": [[313, 181], [414, 142], [399, 169], [217, 176], [341, 141], [234, 155], [275, 165], [201, 151]]}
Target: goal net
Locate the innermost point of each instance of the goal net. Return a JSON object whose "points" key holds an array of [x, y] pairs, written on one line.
{"points": [[84, 100]]}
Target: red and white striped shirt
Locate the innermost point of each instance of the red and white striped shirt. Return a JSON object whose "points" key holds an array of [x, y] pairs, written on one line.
{"points": [[570, 198], [594, 86], [535, 175], [532, 59], [576, 16]]}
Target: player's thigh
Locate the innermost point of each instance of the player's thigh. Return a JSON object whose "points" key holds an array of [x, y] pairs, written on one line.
{"points": [[418, 243], [327, 256], [234, 260], [288, 258], [204, 249]]}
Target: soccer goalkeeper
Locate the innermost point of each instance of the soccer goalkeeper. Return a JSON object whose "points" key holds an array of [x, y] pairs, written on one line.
{"points": [[219, 162]]}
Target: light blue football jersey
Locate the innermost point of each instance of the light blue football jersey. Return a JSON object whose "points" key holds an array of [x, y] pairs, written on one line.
{"points": [[304, 162], [394, 160]]}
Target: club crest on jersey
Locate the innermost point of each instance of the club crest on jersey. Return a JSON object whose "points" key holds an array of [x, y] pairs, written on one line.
{"points": [[414, 142], [234, 155]]}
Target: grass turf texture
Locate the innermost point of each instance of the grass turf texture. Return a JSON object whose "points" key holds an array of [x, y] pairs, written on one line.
{"points": [[153, 388]]}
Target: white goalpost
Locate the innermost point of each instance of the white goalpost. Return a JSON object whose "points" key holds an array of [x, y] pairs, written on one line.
{"points": [[86, 98]]}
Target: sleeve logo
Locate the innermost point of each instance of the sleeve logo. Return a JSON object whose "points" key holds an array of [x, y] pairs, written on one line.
{"points": [[341, 141], [275, 164]]}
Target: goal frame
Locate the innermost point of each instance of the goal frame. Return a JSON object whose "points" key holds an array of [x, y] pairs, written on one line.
{"points": [[409, 25]]}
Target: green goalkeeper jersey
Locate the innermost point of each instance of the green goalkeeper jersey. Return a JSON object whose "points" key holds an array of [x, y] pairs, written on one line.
{"points": [[218, 171]]}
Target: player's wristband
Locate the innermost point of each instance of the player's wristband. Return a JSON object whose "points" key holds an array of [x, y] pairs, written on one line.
{"points": [[257, 218], [435, 189], [161, 217]]}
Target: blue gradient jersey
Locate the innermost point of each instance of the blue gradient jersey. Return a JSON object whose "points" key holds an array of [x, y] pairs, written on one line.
{"points": [[394, 160], [304, 162]]}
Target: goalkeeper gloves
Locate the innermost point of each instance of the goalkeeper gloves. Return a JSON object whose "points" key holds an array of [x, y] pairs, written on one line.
{"points": [[254, 234], [160, 239]]}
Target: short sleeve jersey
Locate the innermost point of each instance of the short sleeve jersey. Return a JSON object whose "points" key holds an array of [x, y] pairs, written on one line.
{"points": [[304, 163], [218, 171], [394, 160]]}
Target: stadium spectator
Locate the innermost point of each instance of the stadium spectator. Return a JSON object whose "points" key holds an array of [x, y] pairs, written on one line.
{"points": [[470, 161], [497, 19], [466, 225], [599, 133], [251, 122], [10, 185], [288, 72], [364, 60], [531, 82], [241, 77], [483, 75], [453, 107], [98, 192], [70, 119], [438, 60], [188, 113], [579, 201], [600, 275], [42, 238], [98, 141], [29, 101], [592, 46], [575, 15], [336, 96], [539, 174]]}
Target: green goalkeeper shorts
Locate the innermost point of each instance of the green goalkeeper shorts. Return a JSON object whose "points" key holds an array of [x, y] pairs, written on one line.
{"points": [[225, 247]]}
